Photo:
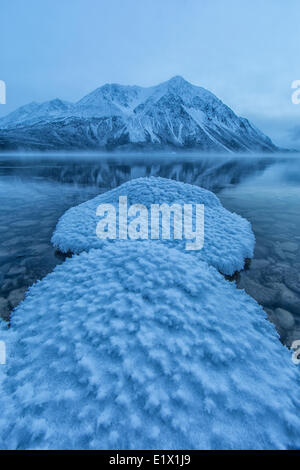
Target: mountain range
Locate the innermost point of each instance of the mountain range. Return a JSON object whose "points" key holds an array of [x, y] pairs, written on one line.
{"points": [[174, 114]]}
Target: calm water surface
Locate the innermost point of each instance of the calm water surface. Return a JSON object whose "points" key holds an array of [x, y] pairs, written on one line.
{"points": [[36, 190]]}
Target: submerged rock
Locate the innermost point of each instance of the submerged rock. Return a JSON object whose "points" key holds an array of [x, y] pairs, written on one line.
{"points": [[294, 335], [285, 318], [289, 246], [16, 271], [265, 296], [259, 264], [292, 279]]}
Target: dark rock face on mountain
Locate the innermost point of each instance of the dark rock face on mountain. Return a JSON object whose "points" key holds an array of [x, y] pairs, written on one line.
{"points": [[174, 114]]}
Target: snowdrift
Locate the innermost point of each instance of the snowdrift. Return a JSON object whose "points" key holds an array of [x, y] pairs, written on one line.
{"points": [[173, 114], [228, 237], [137, 346]]}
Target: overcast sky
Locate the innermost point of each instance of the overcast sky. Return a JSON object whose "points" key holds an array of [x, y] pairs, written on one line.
{"points": [[244, 51]]}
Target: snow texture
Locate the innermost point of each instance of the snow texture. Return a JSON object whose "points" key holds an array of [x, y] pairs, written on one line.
{"points": [[137, 347], [228, 237]]}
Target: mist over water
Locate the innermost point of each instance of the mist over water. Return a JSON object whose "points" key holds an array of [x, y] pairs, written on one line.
{"points": [[35, 190]]}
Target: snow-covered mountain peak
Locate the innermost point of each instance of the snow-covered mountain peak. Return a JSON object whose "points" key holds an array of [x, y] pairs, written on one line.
{"points": [[177, 79], [174, 113], [110, 99]]}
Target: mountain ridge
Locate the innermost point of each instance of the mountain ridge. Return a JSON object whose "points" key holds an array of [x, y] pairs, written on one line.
{"points": [[173, 114]]}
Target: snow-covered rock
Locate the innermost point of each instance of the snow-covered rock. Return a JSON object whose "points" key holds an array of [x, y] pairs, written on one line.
{"points": [[172, 114], [228, 238], [136, 347]]}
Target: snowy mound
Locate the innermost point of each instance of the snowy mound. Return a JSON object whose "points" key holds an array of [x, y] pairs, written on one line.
{"points": [[228, 238], [134, 346], [173, 114]]}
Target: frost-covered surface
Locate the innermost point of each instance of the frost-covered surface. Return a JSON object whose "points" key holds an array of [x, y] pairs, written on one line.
{"points": [[135, 346], [228, 237], [174, 113]]}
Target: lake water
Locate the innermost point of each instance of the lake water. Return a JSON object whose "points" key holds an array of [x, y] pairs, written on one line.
{"points": [[36, 190]]}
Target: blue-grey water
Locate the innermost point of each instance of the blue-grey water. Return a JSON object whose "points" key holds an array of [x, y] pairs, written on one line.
{"points": [[36, 190]]}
